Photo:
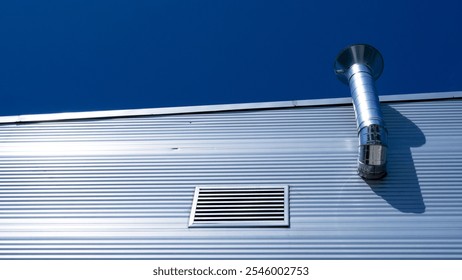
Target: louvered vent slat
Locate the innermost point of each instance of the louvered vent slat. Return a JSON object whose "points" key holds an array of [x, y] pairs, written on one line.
{"points": [[240, 206]]}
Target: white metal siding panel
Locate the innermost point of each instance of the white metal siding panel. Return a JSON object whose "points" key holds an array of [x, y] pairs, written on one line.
{"points": [[122, 188]]}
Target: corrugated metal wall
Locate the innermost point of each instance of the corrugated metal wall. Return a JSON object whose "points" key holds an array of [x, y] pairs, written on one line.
{"points": [[122, 188]]}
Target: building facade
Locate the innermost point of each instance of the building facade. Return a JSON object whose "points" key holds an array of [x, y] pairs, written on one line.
{"points": [[121, 184]]}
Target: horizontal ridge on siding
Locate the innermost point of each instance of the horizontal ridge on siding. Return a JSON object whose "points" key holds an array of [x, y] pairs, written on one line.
{"points": [[122, 188]]}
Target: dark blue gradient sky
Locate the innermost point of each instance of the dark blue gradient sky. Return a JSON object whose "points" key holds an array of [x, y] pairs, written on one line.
{"points": [[60, 56]]}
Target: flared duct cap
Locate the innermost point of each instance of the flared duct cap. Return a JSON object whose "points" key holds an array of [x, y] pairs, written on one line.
{"points": [[358, 54]]}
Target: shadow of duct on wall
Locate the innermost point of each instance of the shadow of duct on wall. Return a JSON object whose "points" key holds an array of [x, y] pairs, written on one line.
{"points": [[401, 187]]}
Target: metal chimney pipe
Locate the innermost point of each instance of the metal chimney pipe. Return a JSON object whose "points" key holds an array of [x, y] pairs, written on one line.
{"points": [[359, 66]]}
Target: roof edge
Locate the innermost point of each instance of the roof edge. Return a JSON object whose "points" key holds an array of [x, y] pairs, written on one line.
{"points": [[220, 108]]}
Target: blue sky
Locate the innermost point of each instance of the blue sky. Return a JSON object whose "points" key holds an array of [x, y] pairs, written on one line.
{"points": [[61, 56]]}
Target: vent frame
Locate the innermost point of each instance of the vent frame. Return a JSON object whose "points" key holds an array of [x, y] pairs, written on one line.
{"points": [[237, 190]]}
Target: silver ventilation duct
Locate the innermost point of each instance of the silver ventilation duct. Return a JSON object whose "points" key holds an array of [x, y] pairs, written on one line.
{"points": [[359, 66]]}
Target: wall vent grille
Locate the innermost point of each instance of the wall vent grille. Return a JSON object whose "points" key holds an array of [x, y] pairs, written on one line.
{"points": [[242, 206]]}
